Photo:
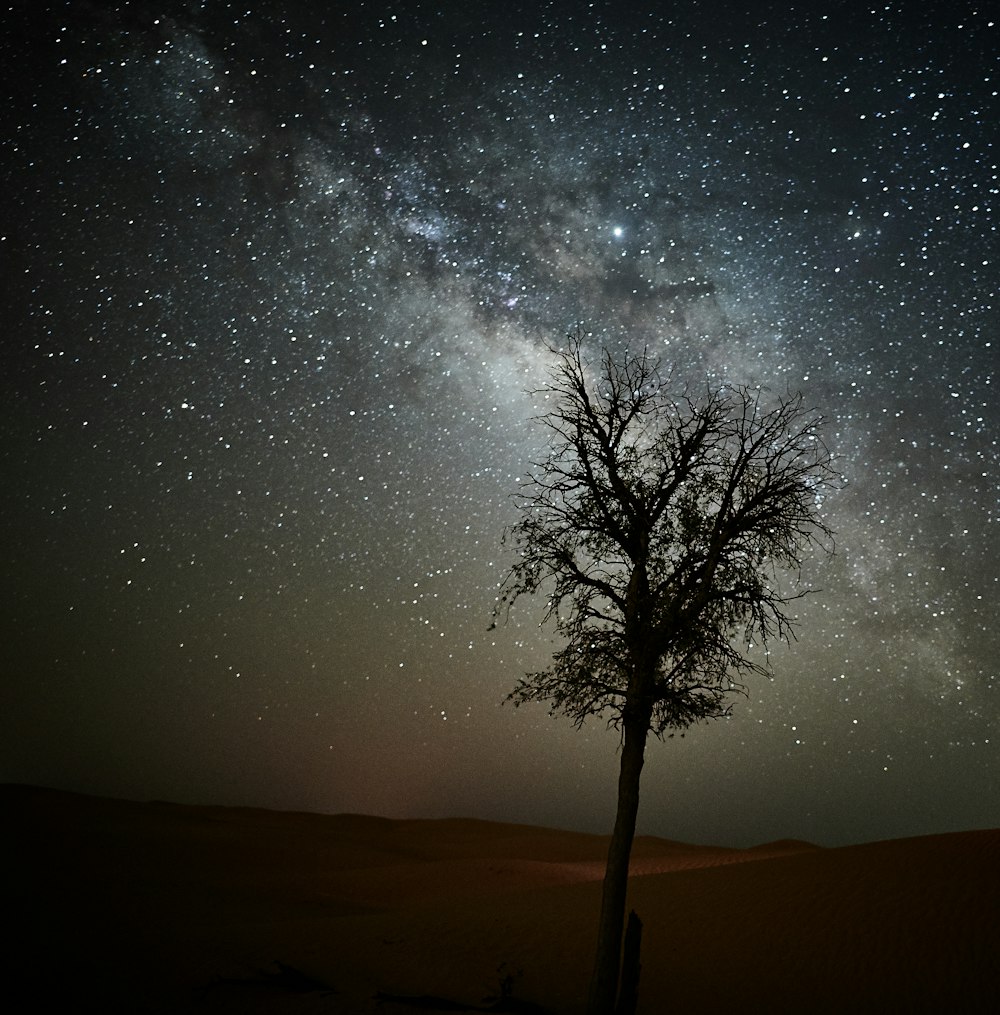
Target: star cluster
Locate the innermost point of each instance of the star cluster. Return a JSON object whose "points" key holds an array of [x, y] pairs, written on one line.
{"points": [[277, 279]]}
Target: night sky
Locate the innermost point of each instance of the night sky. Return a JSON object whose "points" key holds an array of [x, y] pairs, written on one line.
{"points": [[274, 280]]}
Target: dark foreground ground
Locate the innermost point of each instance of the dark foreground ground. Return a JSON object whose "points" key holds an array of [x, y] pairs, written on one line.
{"points": [[152, 907]]}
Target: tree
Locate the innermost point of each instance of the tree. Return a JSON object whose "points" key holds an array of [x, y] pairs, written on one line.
{"points": [[658, 526]]}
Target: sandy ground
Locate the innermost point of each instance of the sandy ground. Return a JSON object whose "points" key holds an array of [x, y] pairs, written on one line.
{"points": [[156, 907]]}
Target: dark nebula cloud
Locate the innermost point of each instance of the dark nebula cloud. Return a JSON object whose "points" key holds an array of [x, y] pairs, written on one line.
{"points": [[276, 278]]}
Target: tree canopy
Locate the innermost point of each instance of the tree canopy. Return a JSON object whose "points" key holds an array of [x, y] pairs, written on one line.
{"points": [[657, 526]]}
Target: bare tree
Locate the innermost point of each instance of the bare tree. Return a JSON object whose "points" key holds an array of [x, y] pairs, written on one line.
{"points": [[666, 532]]}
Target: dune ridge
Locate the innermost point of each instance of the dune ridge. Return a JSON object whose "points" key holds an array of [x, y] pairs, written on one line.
{"points": [[164, 907]]}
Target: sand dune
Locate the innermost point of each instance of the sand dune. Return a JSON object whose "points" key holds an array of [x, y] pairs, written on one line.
{"points": [[159, 907]]}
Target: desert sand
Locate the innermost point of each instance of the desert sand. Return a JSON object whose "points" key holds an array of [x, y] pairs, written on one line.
{"points": [[155, 907]]}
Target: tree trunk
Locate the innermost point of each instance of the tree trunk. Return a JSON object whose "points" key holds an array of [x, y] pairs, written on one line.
{"points": [[607, 963], [628, 991]]}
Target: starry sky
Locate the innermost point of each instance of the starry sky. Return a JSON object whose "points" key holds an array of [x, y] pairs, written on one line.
{"points": [[275, 279]]}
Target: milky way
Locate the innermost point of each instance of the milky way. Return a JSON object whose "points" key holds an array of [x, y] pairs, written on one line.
{"points": [[276, 281]]}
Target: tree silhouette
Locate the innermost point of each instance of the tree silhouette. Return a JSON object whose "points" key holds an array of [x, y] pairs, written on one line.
{"points": [[658, 527]]}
